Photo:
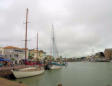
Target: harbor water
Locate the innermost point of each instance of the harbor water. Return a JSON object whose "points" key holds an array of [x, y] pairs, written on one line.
{"points": [[75, 74]]}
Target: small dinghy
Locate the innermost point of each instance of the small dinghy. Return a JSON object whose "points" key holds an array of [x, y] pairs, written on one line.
{"points": [[27, 72]]}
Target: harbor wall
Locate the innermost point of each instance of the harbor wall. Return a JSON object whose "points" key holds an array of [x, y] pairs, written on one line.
{"points": [[6, 82]]}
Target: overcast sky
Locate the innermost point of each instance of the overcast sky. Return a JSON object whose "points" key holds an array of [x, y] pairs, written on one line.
{"points": [[80, 25]]}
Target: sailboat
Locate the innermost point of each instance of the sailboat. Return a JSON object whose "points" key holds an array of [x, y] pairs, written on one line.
{"points": [[55, 65], [29, 71]]}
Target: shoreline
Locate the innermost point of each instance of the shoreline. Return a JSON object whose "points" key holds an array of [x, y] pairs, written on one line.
{"points": [[6, 82]]}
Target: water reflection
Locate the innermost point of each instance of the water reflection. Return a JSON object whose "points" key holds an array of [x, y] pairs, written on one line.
{"points": [[46, 79]]}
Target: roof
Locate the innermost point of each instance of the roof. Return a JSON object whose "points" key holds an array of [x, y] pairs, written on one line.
{"points": [[33, 50], [12, 47], [42, 51], [24, 48], [108, 50]]}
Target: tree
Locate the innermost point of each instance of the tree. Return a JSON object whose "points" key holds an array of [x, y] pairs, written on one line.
{"points": [[31, 56]]}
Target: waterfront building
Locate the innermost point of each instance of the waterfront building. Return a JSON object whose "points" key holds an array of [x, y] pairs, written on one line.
{"points": [[33, 54], [36, 54], [1, 51], [108, 53], [49, 57], [14, 53], [42, 54]]}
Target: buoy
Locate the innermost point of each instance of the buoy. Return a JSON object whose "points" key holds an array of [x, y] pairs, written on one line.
{"points": [[59, 84]]}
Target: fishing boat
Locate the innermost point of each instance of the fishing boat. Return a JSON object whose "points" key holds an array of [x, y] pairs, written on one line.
{"points": [[27, 72]]}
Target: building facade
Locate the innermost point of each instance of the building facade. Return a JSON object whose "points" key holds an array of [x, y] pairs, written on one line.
{"points": [[14, 53], [1, 51], [108, 53], [36, 54]]}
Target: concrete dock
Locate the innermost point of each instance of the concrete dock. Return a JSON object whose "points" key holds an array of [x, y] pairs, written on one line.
{"points": [[6, 82]]}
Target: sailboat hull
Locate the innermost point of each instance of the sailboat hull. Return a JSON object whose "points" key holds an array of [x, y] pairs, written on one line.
{"points": [[55, 67], [22, 73]]}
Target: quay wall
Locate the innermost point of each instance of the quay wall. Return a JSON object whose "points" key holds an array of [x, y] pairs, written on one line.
{"points": [[5, 82]]}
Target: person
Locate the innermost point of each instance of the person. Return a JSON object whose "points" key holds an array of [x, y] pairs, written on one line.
{"points": [[39, 64], [1, 64], [12, 65], [5, 63], [16, 62], [9, 64]]}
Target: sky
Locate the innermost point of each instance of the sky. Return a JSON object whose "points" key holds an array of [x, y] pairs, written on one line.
{"points": [[81, 27]]}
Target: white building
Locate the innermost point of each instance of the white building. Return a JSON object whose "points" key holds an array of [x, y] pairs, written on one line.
{"points": [[14, 53]]}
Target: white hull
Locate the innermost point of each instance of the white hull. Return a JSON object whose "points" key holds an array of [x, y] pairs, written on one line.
{"points": [[54, 67], [22, 73]]}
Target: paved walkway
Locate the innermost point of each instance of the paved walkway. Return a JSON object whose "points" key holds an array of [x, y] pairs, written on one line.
{"points": [[5, 82]]}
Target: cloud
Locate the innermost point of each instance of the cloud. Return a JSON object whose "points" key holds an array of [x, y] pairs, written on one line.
{"points": [[79, 25]]}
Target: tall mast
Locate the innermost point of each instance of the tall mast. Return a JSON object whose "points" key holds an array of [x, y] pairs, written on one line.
{"points": [[54, 47], [53, 42], [26, 34], [37, 44]]}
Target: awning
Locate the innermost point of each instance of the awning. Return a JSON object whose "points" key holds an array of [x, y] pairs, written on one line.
{"points": [[2, 59]]}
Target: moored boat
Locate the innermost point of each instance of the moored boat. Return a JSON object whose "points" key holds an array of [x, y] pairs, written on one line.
{"points": [[54, 67], [27, 72], [56, 63]]}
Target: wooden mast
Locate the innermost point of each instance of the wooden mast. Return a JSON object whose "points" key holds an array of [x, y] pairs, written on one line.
{"points": [[37, 45], [26, 34]]}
